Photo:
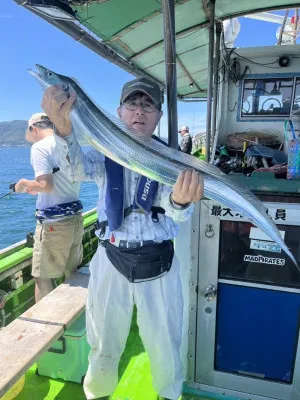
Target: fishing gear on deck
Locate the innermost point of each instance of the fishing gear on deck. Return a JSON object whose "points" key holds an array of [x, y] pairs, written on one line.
{"points": [[12, 186]]}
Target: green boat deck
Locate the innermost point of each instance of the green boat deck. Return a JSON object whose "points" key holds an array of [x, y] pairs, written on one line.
{"points": [[135, 381]]}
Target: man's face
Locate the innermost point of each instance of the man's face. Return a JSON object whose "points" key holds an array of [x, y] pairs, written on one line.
{"points": [[31, 134], [140, 120], [183, 132], [35, 134]]}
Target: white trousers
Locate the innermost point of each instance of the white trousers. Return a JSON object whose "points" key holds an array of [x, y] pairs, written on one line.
{"points": [[110, 302]]}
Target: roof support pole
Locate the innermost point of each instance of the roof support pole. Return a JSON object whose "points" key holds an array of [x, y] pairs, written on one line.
{"points": [[215, 90], [282, 28], [168, 8], [210, 77], [295, 26]]}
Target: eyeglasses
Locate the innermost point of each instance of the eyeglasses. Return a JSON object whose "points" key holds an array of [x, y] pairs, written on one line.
{"points": [[133, 105]]}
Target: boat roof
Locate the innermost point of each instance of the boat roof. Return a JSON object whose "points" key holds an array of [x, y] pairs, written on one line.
{"points": [[134, 30]]}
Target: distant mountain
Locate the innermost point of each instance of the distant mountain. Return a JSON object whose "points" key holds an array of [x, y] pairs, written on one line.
{"points": [[12, 134]]}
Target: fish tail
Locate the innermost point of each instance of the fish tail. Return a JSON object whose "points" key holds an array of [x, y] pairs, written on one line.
{"points": [[290, 254]]}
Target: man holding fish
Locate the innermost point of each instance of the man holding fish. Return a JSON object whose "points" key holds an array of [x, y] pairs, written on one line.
{"points": [[148, 157], [135, 261]]}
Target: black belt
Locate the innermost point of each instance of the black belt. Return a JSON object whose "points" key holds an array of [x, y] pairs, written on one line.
{"points": [[101, 225], [130, 244]]}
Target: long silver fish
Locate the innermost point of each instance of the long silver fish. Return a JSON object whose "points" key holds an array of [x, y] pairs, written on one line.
{"points": [[114, 139]]}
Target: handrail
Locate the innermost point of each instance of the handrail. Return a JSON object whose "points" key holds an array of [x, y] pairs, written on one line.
{"points": [[19, 252]]}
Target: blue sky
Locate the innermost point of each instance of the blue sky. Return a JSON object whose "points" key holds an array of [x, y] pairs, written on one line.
{"points": [[27, 40]]}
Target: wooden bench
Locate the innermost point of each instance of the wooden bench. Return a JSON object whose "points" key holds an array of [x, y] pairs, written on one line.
{"points": [[24, 340]]}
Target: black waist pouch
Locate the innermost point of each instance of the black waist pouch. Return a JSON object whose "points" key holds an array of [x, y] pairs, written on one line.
{"points": [[144, 263]]}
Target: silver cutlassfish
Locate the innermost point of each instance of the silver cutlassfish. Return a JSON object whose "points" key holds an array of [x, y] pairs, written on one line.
{"points": [[111, 136]]}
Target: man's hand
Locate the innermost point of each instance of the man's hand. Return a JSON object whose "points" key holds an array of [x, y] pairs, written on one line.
{"points": [[43, 184], [31, 192], [20, 187], [188, 188], [57, 104]]}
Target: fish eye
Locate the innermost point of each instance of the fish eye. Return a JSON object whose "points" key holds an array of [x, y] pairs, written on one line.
{"points": [[49, 73]]}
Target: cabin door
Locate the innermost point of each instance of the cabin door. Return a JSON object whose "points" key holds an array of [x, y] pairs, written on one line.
{"points": [[245, 309]]}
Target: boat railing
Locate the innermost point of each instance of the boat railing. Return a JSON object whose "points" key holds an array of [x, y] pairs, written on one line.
{"points": [[16, 283]]}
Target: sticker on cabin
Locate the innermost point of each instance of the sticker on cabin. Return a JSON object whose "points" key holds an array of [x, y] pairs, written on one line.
{"points": [[261, 241], [265, 246], [264, 260]]}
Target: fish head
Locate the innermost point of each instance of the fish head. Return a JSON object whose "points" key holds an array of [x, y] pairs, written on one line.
{"points": [[47, 78]]}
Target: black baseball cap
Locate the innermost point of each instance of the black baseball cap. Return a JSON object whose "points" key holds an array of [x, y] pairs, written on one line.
{"points": [[144, 85]]}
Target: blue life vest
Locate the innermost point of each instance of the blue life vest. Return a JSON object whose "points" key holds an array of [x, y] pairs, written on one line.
{"points": [[114, 200]]}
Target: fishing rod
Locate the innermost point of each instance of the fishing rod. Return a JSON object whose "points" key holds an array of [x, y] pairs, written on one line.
{"points": [[12, 186]]}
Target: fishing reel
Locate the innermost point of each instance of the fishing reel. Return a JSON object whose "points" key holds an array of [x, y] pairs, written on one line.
{"points": [[12, 187]]}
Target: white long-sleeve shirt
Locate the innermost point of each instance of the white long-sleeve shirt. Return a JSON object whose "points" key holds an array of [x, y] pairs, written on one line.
{"points": [[137, 226]]}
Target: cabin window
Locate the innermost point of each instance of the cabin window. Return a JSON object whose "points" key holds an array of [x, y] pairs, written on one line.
{"points": [[269, 97]]}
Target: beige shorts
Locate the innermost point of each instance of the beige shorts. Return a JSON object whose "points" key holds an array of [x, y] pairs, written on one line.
{"points": [[57, 247]]}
